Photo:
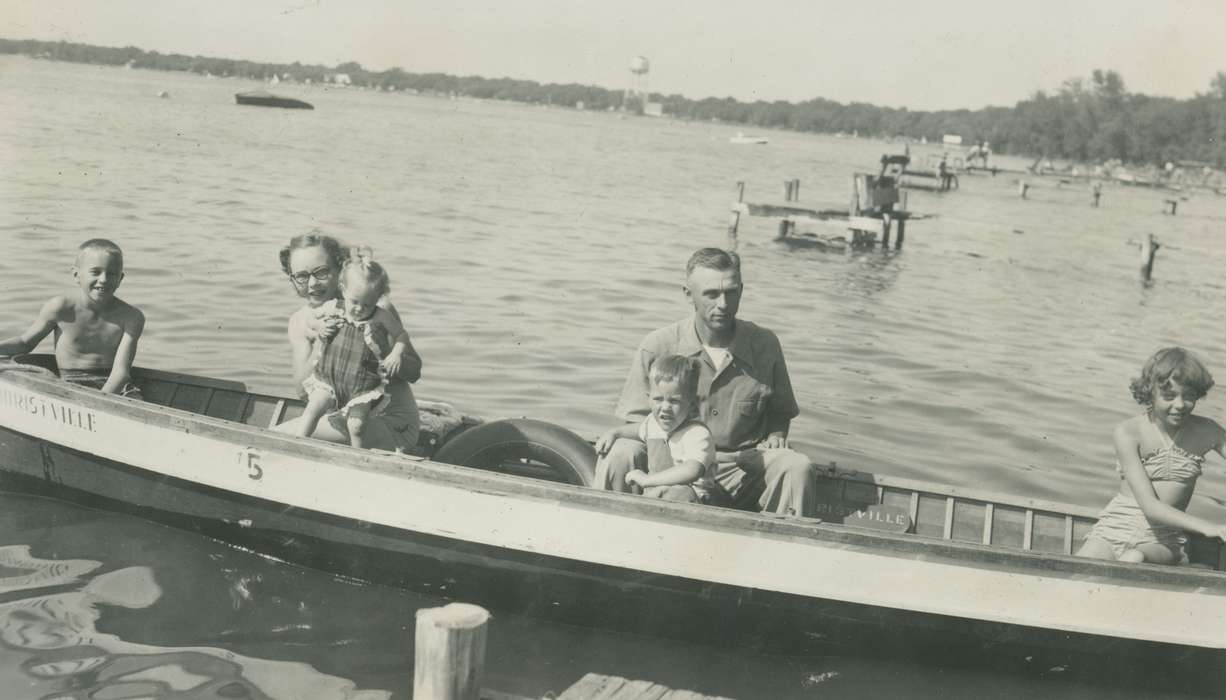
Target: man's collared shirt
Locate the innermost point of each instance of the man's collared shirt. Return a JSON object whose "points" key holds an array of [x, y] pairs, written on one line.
{"points": [[736, 403]]}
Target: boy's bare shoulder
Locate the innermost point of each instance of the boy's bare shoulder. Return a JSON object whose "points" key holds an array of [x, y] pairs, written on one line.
{"points": [[59, 306], [127, 314]]}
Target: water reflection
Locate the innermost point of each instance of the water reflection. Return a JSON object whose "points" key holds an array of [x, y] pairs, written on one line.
{"points": [[64, 655]]}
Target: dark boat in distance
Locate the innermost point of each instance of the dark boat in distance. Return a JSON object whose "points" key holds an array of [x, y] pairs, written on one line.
{"points": [[261, 98]]}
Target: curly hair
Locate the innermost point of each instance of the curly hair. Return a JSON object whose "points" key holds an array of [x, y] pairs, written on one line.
{"points": [[1168, 365], [361, 262], [336, 251]]}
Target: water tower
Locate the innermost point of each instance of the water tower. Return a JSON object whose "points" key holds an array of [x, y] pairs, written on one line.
{"points": [[636, 92]]}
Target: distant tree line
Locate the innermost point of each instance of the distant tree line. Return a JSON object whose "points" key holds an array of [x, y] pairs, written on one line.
{"points": [[1094, 120]]}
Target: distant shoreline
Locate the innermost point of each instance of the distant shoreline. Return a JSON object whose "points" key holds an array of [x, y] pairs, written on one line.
{"points": [[1085, 122]]}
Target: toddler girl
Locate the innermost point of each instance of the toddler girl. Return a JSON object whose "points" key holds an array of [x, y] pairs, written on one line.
{"points": [[350, 368], [1159, 456]]}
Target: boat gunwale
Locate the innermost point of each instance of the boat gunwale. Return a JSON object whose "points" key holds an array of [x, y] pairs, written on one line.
{"points": [[829, 471], [809, 530]]}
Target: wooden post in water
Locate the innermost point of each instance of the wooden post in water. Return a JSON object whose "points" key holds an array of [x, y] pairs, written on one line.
{"points": [[885, 231], [449, 652], [736, 215], [796, 190], [1172, 203], [902, 232], [1149, 248], [1022, 186], [1097, 191]]}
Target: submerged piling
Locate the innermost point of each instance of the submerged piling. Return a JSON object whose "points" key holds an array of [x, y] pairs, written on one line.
{"points": [[1149, 248]]}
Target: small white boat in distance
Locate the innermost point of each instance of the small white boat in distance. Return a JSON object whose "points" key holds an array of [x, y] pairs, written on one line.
{"points": [[742, 138]]}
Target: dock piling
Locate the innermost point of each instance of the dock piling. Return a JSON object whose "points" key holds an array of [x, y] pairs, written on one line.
{"points": [[1022, 186], [1172, 203], [1149, 248], [449, 652], [736, 215], [791, 190]]}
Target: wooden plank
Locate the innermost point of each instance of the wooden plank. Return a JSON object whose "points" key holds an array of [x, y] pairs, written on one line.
{"points": [[277, 412], [988, 515], [243, 405], [970, 494], [590, 686], [640, 690], [208, 399], [1068, 534], [1028, 530], [914, 512], [949, 519]]}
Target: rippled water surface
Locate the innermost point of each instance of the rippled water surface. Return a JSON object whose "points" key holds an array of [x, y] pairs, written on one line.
{"points": [[530, 249]]}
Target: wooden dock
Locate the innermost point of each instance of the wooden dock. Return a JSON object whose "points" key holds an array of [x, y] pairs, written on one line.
{"points": [[594, 686], [865, 220]]}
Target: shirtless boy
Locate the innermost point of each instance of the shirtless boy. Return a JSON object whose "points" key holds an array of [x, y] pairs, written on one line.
{"points": [[95, 331]]}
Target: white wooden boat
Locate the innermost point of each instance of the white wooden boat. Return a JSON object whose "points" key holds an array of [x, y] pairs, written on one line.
{"points": [[742, 138], [199, 455]]}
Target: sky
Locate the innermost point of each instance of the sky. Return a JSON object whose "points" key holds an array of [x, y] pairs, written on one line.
{"points": [[939, 54]]}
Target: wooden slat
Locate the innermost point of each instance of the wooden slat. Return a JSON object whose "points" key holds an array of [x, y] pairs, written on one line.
{"points": [[914, 508], [1028, 530], [243, 404], [1068, 534], [988, 515], [277, 412], [208, 399], [170, 400], [972, 494], [949, 518]]}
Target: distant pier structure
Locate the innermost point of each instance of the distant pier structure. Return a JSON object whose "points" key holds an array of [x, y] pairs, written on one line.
{"points": [[637, 98]]}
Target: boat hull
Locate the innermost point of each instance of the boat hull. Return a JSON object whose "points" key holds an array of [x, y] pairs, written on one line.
{"points": [[271, 101], [591, 558]]}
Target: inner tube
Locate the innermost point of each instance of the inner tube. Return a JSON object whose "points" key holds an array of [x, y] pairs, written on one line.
{"points": [[503, 445]]}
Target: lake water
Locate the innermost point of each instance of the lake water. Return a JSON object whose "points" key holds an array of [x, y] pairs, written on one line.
{"points": [[530, 249]]}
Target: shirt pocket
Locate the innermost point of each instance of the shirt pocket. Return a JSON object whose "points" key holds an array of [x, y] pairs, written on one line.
{"points": [[752, 400]]}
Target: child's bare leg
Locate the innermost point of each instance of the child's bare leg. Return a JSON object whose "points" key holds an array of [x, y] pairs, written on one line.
{"points": [[355, 422], [1152, 552], [1096, 549], [317, 405]]}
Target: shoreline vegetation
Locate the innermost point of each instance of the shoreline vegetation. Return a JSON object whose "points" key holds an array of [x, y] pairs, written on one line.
{"points": [[1084, 121]]}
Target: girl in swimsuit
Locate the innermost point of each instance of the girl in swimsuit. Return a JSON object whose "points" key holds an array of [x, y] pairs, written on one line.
{"points": [[350, 366], [1159, 456]]}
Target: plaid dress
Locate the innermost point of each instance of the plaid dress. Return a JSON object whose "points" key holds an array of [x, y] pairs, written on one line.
{"points": [[347, 364]]}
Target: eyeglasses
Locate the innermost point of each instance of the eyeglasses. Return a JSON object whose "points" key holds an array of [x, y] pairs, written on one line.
{"points": [[320, 274]]}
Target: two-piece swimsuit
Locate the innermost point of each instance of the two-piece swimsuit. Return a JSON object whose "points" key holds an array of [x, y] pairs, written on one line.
{"points": [[1122, 524]]}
